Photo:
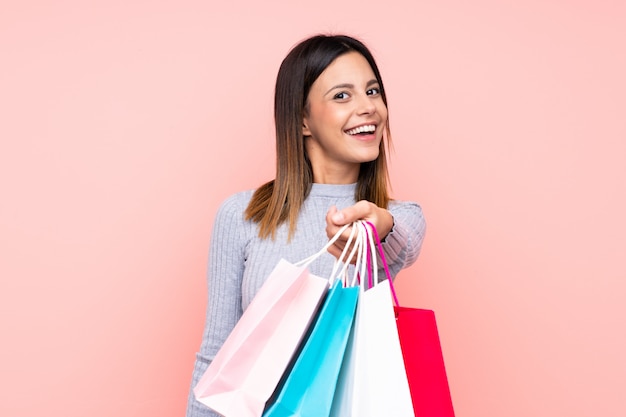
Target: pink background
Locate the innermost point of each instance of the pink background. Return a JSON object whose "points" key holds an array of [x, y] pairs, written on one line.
{"points": [[124, 124]]}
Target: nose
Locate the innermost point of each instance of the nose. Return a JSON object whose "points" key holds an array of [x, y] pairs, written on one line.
{"points": [[365, 105]]}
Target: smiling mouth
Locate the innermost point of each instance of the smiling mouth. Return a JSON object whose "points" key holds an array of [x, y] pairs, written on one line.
{"points": [[362, 130]]}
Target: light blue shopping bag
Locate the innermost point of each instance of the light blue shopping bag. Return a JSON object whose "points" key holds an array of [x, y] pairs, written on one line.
{"points": [[308, 388]]}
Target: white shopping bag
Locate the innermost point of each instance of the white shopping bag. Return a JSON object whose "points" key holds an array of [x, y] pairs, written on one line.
{"points": [[373, 380]]}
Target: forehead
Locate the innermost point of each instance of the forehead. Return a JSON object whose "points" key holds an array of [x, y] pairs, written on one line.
{"points": [[351, 67]]}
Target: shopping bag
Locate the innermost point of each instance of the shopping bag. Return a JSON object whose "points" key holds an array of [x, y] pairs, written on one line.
{"points": [[373, 380], [422, 354], [246, 369], [249, 365], [308, 387], [424, 363]]}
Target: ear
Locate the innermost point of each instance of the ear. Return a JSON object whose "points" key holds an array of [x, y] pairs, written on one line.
{"points": [[305, 127]]}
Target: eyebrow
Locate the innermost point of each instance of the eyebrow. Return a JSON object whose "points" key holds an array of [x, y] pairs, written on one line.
{"points": [[351, 86]]}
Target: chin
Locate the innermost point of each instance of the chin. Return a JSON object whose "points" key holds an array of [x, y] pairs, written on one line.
{"points": [[369, 158]]}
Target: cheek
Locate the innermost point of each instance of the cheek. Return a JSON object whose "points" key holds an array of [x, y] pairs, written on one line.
{"points": [[330, 120], [383, 112], [318, 115]]}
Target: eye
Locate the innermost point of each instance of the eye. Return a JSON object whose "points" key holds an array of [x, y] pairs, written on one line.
{"points": [[373, 91], [341, 96]]}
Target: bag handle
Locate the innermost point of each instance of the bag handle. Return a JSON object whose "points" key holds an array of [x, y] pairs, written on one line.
{"points": [[356, 249], [374, 238], [360, 247], [344, 258], [366, 276], [372, 259], [307, 261]]}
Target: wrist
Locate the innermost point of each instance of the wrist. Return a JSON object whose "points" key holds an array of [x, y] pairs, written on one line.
{"points": [[386, 225]]}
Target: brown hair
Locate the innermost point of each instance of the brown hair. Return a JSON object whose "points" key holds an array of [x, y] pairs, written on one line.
{"points": [[280, 200]]}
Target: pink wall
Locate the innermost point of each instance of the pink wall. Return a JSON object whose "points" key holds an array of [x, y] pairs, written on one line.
{"points": [[124, 125]]}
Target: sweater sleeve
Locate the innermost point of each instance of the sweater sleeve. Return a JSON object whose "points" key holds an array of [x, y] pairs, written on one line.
{"points": [[224, 276], [403, 244]]}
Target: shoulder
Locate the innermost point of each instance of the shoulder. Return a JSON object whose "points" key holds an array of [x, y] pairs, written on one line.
{"points": [[230, 220], [236, 202], [232, 209]]}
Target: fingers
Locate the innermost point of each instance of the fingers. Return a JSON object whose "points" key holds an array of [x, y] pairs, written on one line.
{"points": [[359, 211], [339, 247], [335, 251], [362, 210], [334, 222]]}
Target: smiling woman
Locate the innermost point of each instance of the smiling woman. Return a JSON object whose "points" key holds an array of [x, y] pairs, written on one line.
{"points": [[331, 121], [344, 120]]}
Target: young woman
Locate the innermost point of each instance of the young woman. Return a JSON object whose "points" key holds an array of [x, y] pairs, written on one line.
{"points": [[331, 119]]}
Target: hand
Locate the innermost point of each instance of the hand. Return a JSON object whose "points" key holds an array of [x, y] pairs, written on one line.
{"points": [[363, 210]]}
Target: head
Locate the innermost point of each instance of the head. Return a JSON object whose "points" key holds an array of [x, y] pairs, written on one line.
{"points": [[300, 69], [280, 200]]}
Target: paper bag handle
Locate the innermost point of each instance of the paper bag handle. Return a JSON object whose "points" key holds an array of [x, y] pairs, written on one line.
{"points": [[310, 259], [344, 258], [382, 258]]}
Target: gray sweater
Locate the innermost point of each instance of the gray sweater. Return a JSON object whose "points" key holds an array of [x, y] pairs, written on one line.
{"points": [[239, 261]]}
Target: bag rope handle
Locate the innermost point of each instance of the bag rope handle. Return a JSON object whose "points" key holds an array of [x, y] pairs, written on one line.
{"points": [[341, 264], [384, 261], [307, 261]]}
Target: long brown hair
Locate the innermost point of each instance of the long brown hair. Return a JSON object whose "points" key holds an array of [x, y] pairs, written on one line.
{"points": [[280, 200]]}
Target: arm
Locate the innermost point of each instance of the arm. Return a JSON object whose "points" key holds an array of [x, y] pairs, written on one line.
{"points": [[224, 275], [401, 228], [402, 245]]}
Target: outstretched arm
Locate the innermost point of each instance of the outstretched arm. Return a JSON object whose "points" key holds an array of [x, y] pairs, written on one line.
{"points": [[401, 228]]}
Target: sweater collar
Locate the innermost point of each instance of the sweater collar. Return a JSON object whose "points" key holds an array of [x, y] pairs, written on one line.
{"points": [[332, 190]]}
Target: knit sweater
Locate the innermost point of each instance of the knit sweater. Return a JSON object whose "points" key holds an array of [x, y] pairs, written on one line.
{"points": [[240, 261]]}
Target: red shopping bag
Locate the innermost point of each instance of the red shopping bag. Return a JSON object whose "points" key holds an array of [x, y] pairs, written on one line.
{"points": [[422, 354], [423, 360]]}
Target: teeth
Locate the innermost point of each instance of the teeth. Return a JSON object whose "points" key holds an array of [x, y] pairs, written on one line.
{"points": [[361, 129]]}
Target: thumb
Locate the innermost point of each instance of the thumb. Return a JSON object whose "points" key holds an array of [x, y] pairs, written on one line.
{"points": [[338, 217], [331, 215]]}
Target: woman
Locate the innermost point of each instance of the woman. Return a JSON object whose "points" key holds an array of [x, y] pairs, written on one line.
{"points": [[331, 119]]}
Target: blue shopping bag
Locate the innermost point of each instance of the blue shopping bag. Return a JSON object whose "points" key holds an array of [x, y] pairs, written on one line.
{"points": [[308, 388]]}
